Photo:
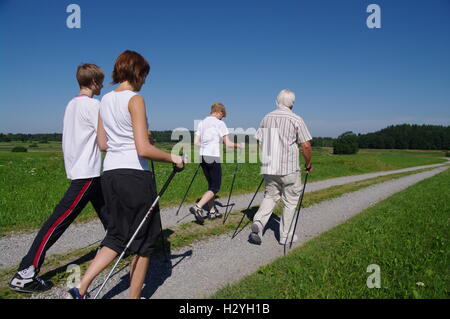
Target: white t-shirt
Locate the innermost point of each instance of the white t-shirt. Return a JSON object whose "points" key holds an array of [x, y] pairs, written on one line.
{"points": [[211, 131], [121, 151], [82, 157]]}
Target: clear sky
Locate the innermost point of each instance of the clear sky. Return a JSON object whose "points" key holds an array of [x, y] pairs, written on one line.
{"points": [[241, 53]]}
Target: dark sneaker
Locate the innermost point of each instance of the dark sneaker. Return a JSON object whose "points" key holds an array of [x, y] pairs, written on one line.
{"points": [[29, 285], [255, 235], [74, 294], [197, 212]]}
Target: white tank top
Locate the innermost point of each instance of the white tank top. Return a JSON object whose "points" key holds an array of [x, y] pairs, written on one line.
{"points": [[121, 151]]}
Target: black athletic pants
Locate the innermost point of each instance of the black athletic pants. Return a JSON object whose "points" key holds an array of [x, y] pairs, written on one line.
{"points": [[213, 172], [77, 196]]}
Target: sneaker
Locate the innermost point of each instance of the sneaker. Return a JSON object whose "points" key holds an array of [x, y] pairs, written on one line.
{"points": [[197, 212], [255, 237], [283, 240], [218, 214], [215, 213], [212, 215], [22, 282], [74, 293]]}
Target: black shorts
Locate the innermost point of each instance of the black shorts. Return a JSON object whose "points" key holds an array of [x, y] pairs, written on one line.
{"points": [[129, 193], [213, 172]]}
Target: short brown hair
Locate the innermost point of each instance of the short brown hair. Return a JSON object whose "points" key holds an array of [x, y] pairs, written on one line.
{"points": [[88, 72], [218, 107], [132, 67]]}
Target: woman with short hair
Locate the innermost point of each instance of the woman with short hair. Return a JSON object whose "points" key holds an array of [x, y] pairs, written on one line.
{"points": [[126, 182]]}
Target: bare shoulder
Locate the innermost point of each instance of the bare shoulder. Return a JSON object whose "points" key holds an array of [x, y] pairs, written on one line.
{"points": [[136, 102], [137, 99]]}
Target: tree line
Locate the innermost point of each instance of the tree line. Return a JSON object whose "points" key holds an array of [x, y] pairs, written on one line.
{"points": [[405, 136]]}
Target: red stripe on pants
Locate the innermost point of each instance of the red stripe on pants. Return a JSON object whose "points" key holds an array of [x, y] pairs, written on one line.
{"points": [[58, 222]]}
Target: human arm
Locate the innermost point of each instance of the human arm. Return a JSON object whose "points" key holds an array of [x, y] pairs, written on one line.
{"points": [[307, 155], [136, 107], [102, 140], [304, 139], [230, 144]]}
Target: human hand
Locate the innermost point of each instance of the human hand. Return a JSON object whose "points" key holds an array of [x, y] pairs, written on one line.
{"points": [[178, 163]]}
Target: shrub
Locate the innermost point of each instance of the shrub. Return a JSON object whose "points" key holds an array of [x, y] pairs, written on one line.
{"points": [[346, 143], [34, 145], [19, 149]]}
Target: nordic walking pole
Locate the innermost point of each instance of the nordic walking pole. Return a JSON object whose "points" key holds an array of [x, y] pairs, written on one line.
{"points": [[298, 212], [231, 188], [160, 221], [187, 191], [249, 205], [175, 170]]}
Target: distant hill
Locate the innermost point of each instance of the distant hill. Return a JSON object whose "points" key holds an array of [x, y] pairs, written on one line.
{"points": [[406, 136]]}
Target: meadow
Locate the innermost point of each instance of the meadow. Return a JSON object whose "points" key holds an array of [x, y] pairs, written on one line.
{"points": [[406, 235], [32, 183]]}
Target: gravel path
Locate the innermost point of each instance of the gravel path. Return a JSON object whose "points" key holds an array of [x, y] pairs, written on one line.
{"points": [[204, 267], [83, 235]]}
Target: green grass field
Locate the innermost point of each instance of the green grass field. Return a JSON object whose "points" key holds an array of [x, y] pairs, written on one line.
{"points": [[32, 183], [406, 235]]}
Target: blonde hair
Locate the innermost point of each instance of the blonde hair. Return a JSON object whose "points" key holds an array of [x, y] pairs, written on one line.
{"points": [[218, 107], [285, 98]]}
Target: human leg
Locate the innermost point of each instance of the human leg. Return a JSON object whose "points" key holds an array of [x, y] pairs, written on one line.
{"points": [[271, 197], [291, 191], [98, 202], [262, 216], [137, 276], [103, 258], [70, 206]]}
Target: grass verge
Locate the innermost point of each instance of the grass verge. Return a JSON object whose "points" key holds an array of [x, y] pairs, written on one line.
{"points": [[406, 235]]}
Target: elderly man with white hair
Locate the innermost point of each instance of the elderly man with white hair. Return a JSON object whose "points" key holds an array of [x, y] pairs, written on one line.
{"points": [[280, 134]]}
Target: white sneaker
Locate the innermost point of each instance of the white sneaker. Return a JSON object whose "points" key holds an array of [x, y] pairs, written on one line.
{"points": [[283, 240]]}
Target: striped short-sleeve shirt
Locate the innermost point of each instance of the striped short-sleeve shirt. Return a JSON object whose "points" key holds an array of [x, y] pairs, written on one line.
{"points": [[279, 133]]}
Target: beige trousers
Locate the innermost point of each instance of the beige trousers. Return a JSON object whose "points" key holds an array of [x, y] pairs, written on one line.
{"points": [[288, 188]]}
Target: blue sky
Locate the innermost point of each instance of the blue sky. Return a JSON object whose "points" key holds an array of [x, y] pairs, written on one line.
{"points": [[241, 53]]}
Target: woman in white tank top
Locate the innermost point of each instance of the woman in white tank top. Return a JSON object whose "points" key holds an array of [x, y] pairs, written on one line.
{"points": [[126, 182]]}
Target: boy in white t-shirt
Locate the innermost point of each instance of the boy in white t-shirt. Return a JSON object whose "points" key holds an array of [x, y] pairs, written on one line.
{"points": [[82, 160], [209, 135]]}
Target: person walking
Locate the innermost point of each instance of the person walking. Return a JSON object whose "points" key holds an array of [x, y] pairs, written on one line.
{"points": [[210, 132], [82, 161], [281, 132]]}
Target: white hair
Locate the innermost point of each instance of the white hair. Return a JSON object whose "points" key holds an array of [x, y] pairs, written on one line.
{"points": [[285, 98]]}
